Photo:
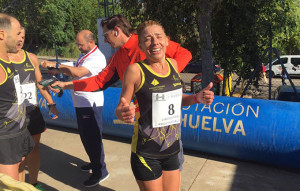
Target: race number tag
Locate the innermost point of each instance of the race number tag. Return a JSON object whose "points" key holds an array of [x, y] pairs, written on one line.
{"points": [[29, 94], [166, 108], [18, 89]]}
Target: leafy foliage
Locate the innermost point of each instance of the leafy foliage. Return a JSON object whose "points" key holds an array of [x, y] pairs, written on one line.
{"points": [[240, 30], [179, 19], [58, 18]]}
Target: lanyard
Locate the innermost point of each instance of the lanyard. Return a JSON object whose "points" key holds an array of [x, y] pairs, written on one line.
{"points": [[84, 57]]}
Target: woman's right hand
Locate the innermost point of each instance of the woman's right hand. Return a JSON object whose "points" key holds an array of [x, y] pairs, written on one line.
{"points": [[127, 111]]}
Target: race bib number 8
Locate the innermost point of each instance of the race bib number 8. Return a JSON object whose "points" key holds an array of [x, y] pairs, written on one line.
{"points": [[166, 108]]}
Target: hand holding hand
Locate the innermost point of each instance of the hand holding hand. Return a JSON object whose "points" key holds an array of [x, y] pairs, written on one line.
{"points": [[127, 111], [206, 96]]}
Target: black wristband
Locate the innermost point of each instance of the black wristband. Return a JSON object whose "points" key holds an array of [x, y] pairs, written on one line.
{"points": [[50, 105]]}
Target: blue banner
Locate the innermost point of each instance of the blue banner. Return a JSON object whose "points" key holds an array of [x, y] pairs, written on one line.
{"points": [[249, 129]]}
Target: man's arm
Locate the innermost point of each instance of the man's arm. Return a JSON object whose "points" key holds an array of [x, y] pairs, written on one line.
{"points": [[67, 70], [181, 55], [43, 90], [101, 81]]}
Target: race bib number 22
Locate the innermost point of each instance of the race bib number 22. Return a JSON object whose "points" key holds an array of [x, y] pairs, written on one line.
{"points": [[29, 94]]}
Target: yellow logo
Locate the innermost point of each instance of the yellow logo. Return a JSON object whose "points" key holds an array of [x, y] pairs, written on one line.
{"points": [[28, 65], [175, 78], [8, 70], [154, 82], [177, 84]]}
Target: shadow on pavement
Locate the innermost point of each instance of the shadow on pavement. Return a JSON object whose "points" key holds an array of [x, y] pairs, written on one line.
{"points": [[65, 169]]}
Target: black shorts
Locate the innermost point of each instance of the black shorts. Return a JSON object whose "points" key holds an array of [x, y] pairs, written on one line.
{"points": [[146, 169], [35, 121], [14, 147]]}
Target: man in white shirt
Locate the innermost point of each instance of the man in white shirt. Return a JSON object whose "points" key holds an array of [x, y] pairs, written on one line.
{"points": [[88, 105]]}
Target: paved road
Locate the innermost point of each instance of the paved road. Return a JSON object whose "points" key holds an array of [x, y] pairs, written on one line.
{"points": [[63, 154]]}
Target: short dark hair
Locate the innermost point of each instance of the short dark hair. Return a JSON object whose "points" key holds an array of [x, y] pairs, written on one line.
{"points": [[119, 21], [5, 21]]}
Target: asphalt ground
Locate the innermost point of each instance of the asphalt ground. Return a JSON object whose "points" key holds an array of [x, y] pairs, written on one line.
{"points": [[62, 154]]}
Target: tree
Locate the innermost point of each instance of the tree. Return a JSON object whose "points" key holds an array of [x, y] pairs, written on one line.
{"points": [[241, 32], [234, 33], [205, 8], [184, 22], [62, 19]]}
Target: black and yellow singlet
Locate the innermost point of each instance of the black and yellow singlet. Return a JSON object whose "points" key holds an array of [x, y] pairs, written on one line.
{"points": [[12, 115], [156, 129], [25, 68]]}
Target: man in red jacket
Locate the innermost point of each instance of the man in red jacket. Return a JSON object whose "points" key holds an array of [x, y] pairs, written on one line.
{"points": [[118, 32]]}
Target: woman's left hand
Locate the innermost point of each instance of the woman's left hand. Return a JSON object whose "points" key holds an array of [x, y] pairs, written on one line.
{"points": [[206, 96]]}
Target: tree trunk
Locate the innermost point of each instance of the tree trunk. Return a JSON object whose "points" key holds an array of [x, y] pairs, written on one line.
{"points": [[204, 18]]}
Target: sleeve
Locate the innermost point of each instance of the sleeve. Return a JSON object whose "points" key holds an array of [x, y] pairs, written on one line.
{"points": [[181, 55], [101, 81]]}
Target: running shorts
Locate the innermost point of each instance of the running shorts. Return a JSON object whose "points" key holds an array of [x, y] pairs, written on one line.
{"points": [[35, 121], [146, 169], [15, 146]]}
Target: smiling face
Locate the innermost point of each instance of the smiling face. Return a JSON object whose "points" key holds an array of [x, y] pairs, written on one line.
{"points": [[153, 42]]}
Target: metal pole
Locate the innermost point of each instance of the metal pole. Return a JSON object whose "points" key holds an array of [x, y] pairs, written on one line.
{"points": [[270, 61], [106, 9], [113, 7], [99, 8], [106, 4]]}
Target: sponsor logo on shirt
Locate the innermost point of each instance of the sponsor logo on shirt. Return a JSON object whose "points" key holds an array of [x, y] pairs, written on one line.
{"points": [[28, 67], [177, 84], [154, 82]]}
